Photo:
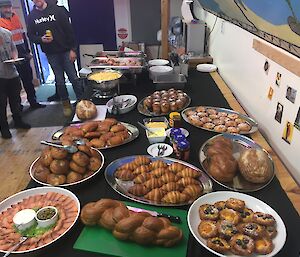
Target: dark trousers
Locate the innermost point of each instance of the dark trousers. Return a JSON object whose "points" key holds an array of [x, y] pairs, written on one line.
{"points": [[9, 89], [26, 76]]}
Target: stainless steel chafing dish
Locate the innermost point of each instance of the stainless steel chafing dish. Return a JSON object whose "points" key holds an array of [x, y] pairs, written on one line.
{"points": [[103, 84]]}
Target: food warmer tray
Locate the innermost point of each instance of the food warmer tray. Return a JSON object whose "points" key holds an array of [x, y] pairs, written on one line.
{"points": [[240, 143]]}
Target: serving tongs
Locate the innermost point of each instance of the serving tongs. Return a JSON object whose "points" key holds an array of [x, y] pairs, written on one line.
{"points": [[16, 246], [68, 148]]}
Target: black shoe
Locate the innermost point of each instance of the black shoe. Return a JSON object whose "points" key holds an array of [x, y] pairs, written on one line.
{"points": [[37, 105], [54, 97], [6, 133], [21, 107], [22, 125]]}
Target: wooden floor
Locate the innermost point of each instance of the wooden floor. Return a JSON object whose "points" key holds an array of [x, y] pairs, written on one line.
{"points": [[17, 154]]}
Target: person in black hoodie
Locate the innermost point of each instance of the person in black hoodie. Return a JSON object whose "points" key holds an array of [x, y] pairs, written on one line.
{"points": [[58, 45]]}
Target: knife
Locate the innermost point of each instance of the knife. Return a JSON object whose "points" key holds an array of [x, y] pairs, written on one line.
{"points": [[175, 219]]}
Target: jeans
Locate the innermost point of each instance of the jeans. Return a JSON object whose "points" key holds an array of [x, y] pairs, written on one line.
{"points": [[9, 88], [61, 63], [25, 73]]}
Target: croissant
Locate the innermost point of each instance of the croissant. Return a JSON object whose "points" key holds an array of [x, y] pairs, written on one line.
{"points": [[168, 177], [140, 179], [193, 191], [128, 166], [153, 183], [155, 195], [141, 169], [174, 197], [158, 172], [171, 186], [188, 172], [158, 164], [176, 167], [126, 175], [187, 181], [142, 160], [138, 190]]}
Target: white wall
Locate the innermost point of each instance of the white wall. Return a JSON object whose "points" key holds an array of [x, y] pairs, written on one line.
{"points": [[241, 67]]}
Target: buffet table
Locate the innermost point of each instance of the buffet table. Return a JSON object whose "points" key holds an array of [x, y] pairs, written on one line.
{"points": [[203, 91]]}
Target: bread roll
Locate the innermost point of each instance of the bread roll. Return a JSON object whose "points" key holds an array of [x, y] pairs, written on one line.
{"points": [[85, 110], [255, 166]]}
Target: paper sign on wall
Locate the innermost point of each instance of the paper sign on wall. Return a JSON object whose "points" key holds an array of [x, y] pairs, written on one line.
{"points": [[279, 111], [278, 79], [288, 132], [291, 94], [297, 120], [271, 92]]}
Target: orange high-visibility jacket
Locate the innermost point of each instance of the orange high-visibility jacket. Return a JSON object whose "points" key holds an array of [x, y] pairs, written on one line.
{"points": [[15, 26]]}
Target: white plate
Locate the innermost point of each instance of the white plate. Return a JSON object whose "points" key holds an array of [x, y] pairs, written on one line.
{"points": [[158, 62], [205, 67], [251, 202], [126, 106], [153, 150], [101, 114], [161, 69], [14, 60], [16, 198], [183, 131]]}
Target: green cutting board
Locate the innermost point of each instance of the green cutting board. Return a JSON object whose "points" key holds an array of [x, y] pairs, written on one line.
{"points": [[100, 240]]}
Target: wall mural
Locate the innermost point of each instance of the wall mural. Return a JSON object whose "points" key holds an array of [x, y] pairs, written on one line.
{"points": [[276, 21]]}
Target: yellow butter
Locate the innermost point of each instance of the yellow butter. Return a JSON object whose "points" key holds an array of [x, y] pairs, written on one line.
{"points": [[156, 124], [158, 132]]}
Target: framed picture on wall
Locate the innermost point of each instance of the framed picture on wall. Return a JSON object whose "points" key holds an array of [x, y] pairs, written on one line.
{"points": [[288, 132], [291, 94], [279, 111], [297, 120], [278, 79]]}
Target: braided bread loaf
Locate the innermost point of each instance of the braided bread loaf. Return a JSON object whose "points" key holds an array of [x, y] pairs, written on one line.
{"points": [[141, 227]]}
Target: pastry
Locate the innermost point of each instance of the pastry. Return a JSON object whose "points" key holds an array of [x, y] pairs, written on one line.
{"points": [[242, 245], [41, 173], [142, 160], [263, 219], [187, 181], [220, 205], [271, 231], [138, 190], [140, 179], [233, 130], [171, 186], [155, 195], [211, 111], [174, 197], [168, 177], [56, 180], [255, 166], [153, 183], [58, 153], [230, 123], [208, 228], [158, 172], [218, 244], [226, 229], [200, 109], [59, 167], [193, 191], [230, 215], [264, 246], [81, 159], [235, 204], [252, 229], [188, 172], [202, 114], [73, 177], [176, 167], [125, 175], [208, 125], [141, 169], [233, 116], [246, 215], [75, 167], [95, 164], [208, 212], [220, 128]]}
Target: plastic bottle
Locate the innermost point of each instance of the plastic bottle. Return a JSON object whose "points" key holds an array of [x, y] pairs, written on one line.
{"points": [[183, 148]]}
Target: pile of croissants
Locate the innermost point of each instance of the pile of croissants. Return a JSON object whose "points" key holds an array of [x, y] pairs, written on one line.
{"points": [[160, 182], [141, 227]]}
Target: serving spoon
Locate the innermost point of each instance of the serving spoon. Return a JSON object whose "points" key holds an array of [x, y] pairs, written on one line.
{"points": [[68, 148], [16, 246]]}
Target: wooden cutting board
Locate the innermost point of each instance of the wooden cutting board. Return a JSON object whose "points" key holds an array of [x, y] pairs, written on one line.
{"points": [[100, 240]]}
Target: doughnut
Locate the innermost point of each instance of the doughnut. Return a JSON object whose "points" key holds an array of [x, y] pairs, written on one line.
{"points": [[81, 159]]}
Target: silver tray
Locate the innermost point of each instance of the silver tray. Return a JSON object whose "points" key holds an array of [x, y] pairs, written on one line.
{"points": [[252, 122], [122, 186], [32, 170], [132, 130], [238, 183], [146, 112]]}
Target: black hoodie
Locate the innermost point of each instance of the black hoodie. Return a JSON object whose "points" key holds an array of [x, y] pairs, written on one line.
{"points": [[56, 19]]}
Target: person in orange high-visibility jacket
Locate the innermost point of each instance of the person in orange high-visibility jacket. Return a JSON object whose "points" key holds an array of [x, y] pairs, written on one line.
{"points": [[10, 21]]}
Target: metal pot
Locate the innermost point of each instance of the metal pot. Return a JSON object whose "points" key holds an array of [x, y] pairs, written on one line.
{"points": [[106, 85]]}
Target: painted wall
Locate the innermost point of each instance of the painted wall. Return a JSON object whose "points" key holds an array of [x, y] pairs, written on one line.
{"points": [[241, 67], [94, 22]]}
